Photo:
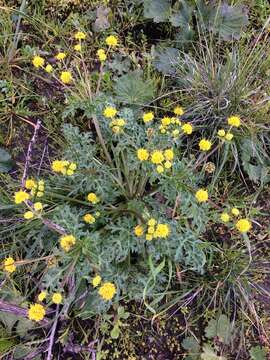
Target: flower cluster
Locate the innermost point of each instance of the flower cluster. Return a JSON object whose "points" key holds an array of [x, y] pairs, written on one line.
{"points": [[36, 210], [155, 230], [162, 159], [67, 242], [36, 312], [79, 36], [89, 218], [201, 195], [111, 41], [117, 125], [56, 297], [205, 145], [64, 167], [93, 198], [107, 290], [37, 187], [242, 225], [9, 265], [233, 121]]}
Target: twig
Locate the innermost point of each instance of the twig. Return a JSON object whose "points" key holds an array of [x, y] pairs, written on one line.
{"points": [[49, 356], [29, 152]]}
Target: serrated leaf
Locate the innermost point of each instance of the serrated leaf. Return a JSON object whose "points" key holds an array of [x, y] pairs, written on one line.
{"points": [[257, 353], [182, 16], [158, 10], [209, 354], [133, 89], [166, 60], [221, 328]]}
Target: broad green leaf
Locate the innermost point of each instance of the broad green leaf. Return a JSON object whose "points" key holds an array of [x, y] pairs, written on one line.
{"points": [[209, 354], [166, 60], [115, 332], [6, 162], [257, 353], [220, 328], [158, 10], [192, 346]]}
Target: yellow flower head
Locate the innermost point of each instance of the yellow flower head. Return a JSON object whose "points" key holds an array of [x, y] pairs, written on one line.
{"points": [[225, 217], [121, 122], [9, 265], [93, 198], [243, 225], [178, 110], [175, 132], [169, 154], [235, 211], [57, 298], [78, 47], [151, 230], [38, 61], [96, 281], [160, 169], [109, 112], [187, 128], [66, 77], [221, 133], [111, 41], [67, 241], [101, 55], [21, 196], [107, 291], [205, 145], [151, 222], [149, 237], [157, 157], [142, 154], [89, 219], [138, 230], [60, 56], [167, 164], [59, 166], [166, 121], [36, 312], [79, 35], [149, 116], [201, 195], [28, 215], [42, 296], [162, 231], [229, 136], [30, 184], [116, 129], [38, 206], [49, 68], [234, 121]]}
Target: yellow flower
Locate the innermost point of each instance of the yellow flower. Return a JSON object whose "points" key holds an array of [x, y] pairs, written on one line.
{"points": [[162, 231], [166, 121], [221, 132], [225, 217], [57, 298], [111, 41], [38, 61], [89, 219], [107, 291], [38, 206], [167, 164], [116, 129], [78, 47], [151, 230], [79, 35], [201, 195], [42, 296], [142, 154], [178, 110], [60, 56], [152, 222], [66, 77], [109, 112], [101, 55], [36, 312], [49, 68], [138, 230], [157, 157], [67, 241], [28, 215], [149, 116], [70, 172], [21, 196], [40, 194], [205, 145], [229, 136], [9, 265], [93, 198], [121, 122], [30, 184], [149, 237], [73, 166], [169, 154], [59, 166], [243, 225], [96, 281], [175, 132], [235, 211], [234, 121], [160, 169], [187, 128]]}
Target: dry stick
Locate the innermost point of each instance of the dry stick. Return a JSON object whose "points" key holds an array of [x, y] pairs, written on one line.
{"points": [[49, 356], [29, 152]]}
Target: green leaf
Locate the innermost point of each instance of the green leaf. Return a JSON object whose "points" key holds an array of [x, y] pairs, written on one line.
{"points": [[6, 162], [209, 354], [5, 342], [221, 328], [158, 10], [182, 16], [192, 346], [133, 89], [115, 332], [257, 353], [166, 60]]}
